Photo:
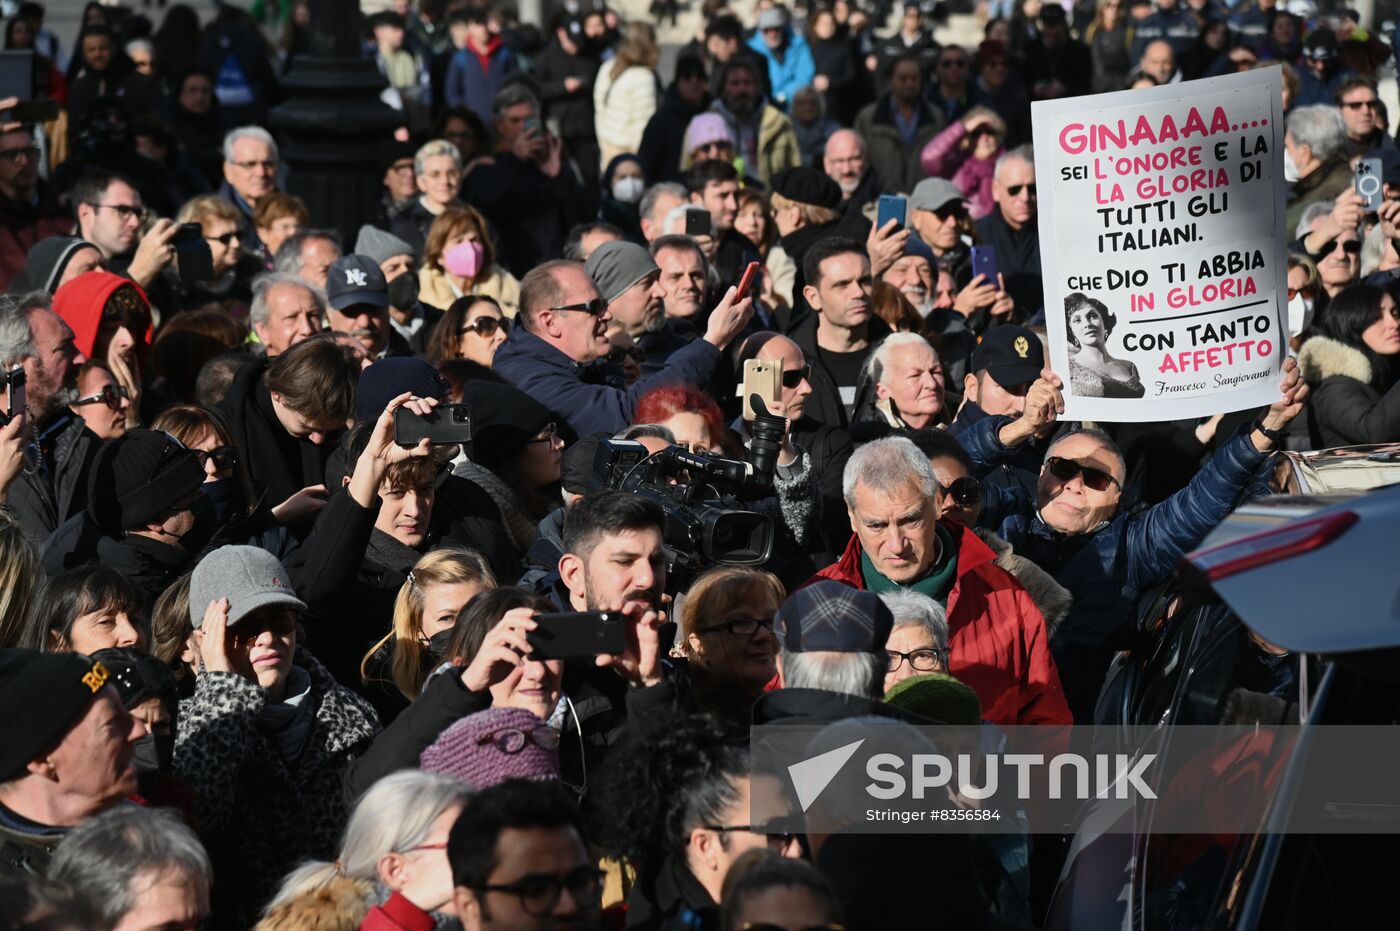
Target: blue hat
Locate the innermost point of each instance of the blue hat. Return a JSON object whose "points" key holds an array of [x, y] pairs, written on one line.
{"points": [[916, 246], [356, 279], [388, 378], [830, 617]]}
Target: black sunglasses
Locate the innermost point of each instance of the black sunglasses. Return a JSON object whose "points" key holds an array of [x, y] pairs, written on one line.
{"points": [[1349, 246], [227, 238], [620, 354], [594, 308], [794, 377], [965, 491], [111, 395], [224, 457], [1065, 470], [1016, 189], [486, 326]]}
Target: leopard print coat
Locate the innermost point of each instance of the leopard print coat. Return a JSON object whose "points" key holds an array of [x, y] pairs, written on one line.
{"points": [[257, 816]]}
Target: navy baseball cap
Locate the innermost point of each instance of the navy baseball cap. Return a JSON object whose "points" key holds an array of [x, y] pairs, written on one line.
{"points": [[356, 279], [1011, 354], [830, 617]]}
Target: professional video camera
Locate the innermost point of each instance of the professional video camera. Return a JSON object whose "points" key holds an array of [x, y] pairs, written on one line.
{"points": [[705, 523]]}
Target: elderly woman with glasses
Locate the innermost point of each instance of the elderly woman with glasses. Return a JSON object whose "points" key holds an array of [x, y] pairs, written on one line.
{"points": [[918, 643]]}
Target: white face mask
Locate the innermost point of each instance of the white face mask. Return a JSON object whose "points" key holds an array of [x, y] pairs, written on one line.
{"points": [[1290, 167], [1300, 314], [628, 190]]}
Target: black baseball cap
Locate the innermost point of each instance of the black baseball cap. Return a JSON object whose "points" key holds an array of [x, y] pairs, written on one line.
{"points": [[1011, 354], [356, 279]]}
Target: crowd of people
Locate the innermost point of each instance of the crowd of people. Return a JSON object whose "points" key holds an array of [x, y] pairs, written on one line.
{"points": [[264, 666]]}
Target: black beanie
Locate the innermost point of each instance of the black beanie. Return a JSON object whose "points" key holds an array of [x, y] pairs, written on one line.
{"points": [[504, 419], [42, 695], [137, 476]]}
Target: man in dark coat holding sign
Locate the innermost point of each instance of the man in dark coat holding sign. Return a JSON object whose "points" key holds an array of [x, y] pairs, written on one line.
{"points": [[1074, 529]]}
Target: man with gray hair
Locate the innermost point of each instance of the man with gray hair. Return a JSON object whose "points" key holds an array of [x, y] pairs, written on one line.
{"points": [[139, 868], [998, 642], [658, 201], [286, 309], [526, 192], [1314, 158], [250, 172], [1011, 229], [308, 254]]}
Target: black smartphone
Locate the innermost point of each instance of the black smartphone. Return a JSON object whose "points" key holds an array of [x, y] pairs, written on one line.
{"points": [[31, 112], [445, 425], [14, 389], [697, 223], [573, 634], [891, 207], [193, 259]]}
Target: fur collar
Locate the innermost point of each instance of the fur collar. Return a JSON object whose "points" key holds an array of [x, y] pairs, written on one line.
{"points": [[1323, 357], [1052, 598]]}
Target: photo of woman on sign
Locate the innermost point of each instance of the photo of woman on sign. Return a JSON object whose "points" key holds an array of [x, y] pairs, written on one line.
{"points": [[1093, 373]]}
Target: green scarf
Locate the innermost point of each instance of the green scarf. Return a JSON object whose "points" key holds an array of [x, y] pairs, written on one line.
{"points": [[936, 583]]}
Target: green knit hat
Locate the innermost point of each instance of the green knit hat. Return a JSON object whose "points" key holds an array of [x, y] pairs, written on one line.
{"points": [[938, 697]]}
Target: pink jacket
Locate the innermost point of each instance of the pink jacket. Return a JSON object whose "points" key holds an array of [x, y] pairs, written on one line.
{"points": [[944, 157]]}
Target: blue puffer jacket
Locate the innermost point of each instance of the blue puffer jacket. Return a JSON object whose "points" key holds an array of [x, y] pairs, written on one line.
{"points": [[794, 72], [591, 398], [1108, 568]]}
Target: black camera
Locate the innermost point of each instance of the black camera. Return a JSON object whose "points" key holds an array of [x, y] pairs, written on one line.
{"points": [[705, 522]]}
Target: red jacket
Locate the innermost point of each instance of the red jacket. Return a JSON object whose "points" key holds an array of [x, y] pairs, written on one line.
{"points": [[996, 636], [397, 914]]}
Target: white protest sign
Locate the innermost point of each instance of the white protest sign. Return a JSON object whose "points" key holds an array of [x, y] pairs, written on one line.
{"points": [[1162, 247]]}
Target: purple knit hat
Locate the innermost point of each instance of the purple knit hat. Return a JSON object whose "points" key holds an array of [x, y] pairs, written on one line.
{"points": [[461, 753]]}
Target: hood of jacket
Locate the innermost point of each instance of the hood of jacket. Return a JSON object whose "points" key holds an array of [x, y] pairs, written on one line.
{"points": [[80, 304], [1052, 598], [46, 261], [1323, 357]]}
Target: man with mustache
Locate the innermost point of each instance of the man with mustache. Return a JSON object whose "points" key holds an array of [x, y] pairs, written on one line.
{"points": [[358, 298], [558, 352]]}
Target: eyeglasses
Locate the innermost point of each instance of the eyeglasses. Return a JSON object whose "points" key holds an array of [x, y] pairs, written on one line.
{"points": [[1016, 189], [549, 435], [965, 491], [740, 626], [249, 166], [111, 395], [224, 457], [950, 212], [953, 63], [925, 660], [125, 211], [594, 308], [30, 152], [1349, 246], [226, 239], [512, 739], [794, 377], [1067, 469], [539, 893], [775, 841], [406, 166], [485, 326], [620, 354], [1294, 292], [1373, 104]]}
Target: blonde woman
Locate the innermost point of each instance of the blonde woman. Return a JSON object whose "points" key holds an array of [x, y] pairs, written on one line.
{"points": [[626, 93], [459, 259], [440, 585], [727, 637]]}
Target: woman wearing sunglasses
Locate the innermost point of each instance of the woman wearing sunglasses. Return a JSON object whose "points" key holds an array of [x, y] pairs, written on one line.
{"points": [[1093, 372], [111, 322], [473, 328], [102, 403], [1350, 365]]}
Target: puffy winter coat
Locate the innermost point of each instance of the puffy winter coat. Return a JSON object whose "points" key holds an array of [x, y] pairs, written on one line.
{"points": [[623, 106], [944, 158], [792, 72], [1106, 569], [1345, 406], [996, 635], [259, 815]]}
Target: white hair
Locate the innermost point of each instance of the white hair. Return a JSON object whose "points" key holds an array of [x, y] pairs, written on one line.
{"points": [[16, 339], [141, 45], [263, 285], [1311, 214], [249, 132], [879, 358], [432, 150], [1320, 128], [912, 609], [860, 674], [392, 817], [1024, 153], [887, 464]]}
